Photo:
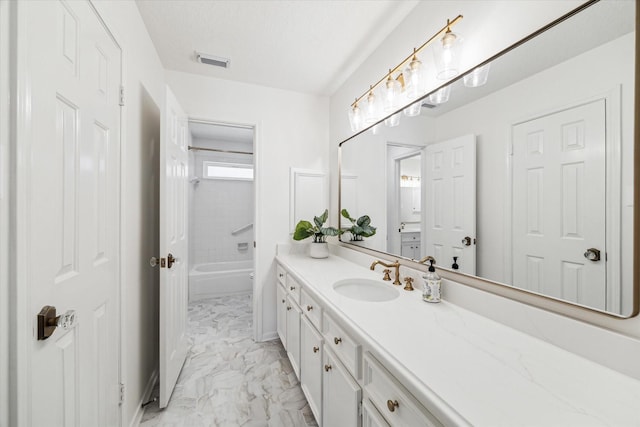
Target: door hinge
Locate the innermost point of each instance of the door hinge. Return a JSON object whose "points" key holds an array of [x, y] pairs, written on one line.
{"points": [[121, 96], [360, 408], [121, 401]]}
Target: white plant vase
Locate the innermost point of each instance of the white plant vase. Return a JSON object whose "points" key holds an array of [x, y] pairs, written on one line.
{"points": [[319, 250]]}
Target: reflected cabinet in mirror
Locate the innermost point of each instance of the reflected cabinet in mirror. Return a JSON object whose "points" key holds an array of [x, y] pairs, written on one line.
{"points": [[527, 180]]}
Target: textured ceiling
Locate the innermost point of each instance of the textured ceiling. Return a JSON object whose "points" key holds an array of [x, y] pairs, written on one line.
{"points": [[306, 46]]}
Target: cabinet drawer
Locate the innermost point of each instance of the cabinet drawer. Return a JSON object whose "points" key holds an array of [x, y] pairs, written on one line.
{"points": [[394, 402], [345, 347], [311, 308], [370, 415], [293, 289], [410, 237], [281, 274]]}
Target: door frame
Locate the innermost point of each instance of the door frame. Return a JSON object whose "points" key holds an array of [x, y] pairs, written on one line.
{"points": [[393, 186], [6, 39], [20, 326], [613, 188], [257, 297]]}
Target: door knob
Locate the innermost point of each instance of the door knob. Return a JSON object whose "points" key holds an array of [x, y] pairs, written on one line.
{"points": [[48, 321], [155, 261], [592, 254], [466, 241]]}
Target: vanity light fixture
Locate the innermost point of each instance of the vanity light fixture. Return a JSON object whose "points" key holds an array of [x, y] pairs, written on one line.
{"points": [[477, 77], [447, 56], [412, 81], [440, 96]]}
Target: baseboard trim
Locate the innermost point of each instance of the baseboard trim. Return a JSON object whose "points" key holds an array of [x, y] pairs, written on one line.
{"points": [[137, 417], [269, 336]]}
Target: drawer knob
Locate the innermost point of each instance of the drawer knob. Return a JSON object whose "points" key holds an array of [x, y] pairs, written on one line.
{"points": [[327, 368], [293, 288], [283, 301], [392, 405], [337, 340], [316, 349], [288, 308], [281, 275], [309, 307]]}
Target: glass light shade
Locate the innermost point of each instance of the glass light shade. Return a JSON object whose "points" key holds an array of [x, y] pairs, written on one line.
{"points": [[413, 109], [477, 77], [356, 119], [391, 95], [372, 109], [416, 79], [392, 121], [376, 129], [447, 56], [441, 96]]}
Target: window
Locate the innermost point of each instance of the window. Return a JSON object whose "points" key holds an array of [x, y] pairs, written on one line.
{"points": [[230, 171]]}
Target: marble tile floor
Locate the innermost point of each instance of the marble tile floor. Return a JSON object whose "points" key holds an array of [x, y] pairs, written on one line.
{"points": [[228, 379]]}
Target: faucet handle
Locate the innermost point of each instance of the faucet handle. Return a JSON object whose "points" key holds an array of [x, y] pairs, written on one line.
{"points": [[387, 273], [409, 282]]}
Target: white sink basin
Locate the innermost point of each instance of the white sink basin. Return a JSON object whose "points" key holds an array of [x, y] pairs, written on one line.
{"points": [[366, 289]]}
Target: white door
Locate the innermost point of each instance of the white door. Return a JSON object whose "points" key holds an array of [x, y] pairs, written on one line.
{"points": [[68, 222], [559, 204], [450, 203], [174, 167]]}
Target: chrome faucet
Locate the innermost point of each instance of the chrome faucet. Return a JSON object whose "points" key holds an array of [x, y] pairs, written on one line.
{"points": [[395, 265]]}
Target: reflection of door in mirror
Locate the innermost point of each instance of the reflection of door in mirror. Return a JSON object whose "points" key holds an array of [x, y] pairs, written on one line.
{"points": [[404, 199], [559, 204], [409, 208], [450, 203]]}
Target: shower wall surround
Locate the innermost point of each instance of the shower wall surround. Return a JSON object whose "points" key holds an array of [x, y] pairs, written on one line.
{"points": [[218, 207]]}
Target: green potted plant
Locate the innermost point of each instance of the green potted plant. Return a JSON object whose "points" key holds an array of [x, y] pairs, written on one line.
{"points": [[360, 228], [304, 229]]}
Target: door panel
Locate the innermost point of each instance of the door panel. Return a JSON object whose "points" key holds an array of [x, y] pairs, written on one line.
{"points": [[174, 161], [450, 208], [68, 223], [559, 204]]}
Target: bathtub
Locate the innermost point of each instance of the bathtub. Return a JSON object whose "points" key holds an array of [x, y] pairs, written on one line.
{"points": [[220, 278]]}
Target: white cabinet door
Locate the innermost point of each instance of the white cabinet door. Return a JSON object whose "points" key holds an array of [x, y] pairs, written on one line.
{"points": [[450, 202], [174, 167], [311, 367], [281, 314], [559, 204], [371, 417], [341, 394], [68, 214], [293, 334]]}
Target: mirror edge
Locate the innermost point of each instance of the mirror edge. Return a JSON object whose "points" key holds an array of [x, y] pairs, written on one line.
{"points": [[544, 302]]}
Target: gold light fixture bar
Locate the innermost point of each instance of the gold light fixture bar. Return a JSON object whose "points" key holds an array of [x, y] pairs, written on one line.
{"points": [[450, 23]]}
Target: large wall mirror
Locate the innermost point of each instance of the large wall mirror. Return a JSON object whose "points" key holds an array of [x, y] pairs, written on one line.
{"points": [[527, 180]]}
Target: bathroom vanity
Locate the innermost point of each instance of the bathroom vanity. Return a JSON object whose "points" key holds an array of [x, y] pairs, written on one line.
{"points": [[390, 359]]}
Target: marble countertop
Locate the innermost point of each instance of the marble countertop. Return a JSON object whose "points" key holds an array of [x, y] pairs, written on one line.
{"points": [[467, 369]]}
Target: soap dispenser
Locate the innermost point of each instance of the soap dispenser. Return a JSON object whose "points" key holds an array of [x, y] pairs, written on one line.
{"points": [[432, 285]]}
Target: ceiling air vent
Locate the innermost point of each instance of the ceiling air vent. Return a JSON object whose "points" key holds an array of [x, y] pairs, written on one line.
{"points": [[216, 61], [427, 105]]}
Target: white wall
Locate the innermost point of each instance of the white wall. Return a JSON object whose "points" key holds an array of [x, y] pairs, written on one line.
{"points": [[292, 130], [143, 79], [489, 27]]}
